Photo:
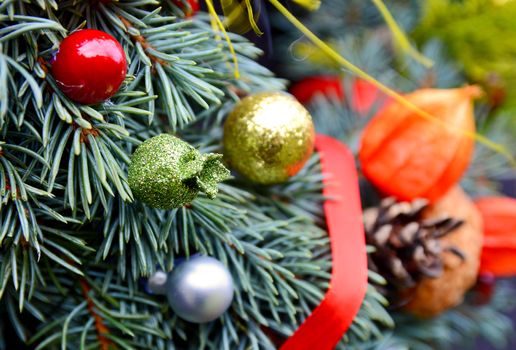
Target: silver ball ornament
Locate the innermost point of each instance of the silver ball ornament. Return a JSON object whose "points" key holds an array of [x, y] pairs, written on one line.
{"points": [[200, 290], [157, 283]]}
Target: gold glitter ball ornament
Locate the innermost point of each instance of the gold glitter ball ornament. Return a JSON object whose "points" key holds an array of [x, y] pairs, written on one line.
{"points": [[167, 172], [268, 137]]}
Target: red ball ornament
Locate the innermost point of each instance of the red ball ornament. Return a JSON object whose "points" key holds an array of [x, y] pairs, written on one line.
{"points": [[365, 94], [90, 66], [306, 89]]}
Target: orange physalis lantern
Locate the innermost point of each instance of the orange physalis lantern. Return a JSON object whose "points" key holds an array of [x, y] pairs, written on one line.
{"points": [[408, 156], [499, 249]]}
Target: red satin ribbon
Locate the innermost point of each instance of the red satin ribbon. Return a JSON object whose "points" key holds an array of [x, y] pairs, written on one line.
{"points": [[323, 329]]}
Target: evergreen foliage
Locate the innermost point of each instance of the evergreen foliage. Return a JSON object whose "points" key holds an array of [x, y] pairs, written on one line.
{"points": [[74, 242], [75, 246]]}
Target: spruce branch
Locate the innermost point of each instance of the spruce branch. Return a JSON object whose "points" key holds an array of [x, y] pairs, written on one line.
{"points": [[141, 42], [102, 330], [158, 46], [24, 24], [88, 229]]}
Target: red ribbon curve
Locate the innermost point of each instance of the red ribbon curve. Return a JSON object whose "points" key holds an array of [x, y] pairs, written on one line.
{"points": [[326, 325]]}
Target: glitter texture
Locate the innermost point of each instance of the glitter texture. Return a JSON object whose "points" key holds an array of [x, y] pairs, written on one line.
{"points": [[268, 137], [166, 172]]}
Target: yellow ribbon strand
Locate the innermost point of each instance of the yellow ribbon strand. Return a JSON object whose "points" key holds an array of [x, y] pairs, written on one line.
{"points": [[310, 5], [399, 37], [215, 17], [240, 16], [388, 91], [233, 13], [250, 14]]}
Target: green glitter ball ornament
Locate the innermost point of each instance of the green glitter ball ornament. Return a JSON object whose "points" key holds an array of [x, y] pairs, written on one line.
{"points": [[268, 137], [167, 172]]}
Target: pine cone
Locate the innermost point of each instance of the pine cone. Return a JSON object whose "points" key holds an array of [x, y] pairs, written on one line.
{"points": [[429, 254], [434, 295], [407, 246]]}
